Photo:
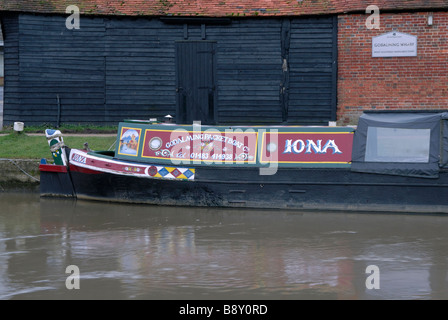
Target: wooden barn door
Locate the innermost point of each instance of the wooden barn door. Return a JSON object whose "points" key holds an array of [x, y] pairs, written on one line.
{"points": [[196, 82]]}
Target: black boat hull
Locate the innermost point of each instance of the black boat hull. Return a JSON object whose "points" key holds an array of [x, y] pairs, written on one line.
{"points": [[309, 189]]}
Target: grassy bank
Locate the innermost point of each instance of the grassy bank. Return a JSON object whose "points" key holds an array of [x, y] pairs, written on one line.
{"points": [[25, 146], [64, 128]]}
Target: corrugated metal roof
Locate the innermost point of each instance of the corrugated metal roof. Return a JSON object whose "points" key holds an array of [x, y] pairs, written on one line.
{"points": [[216, 8]]}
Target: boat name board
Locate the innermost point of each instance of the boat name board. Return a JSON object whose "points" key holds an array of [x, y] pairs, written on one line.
{"points": [[256, 146], [212, 146], [307, 147]]}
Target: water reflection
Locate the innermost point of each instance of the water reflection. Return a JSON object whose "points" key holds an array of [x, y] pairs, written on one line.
{"points": [[148, 252]]}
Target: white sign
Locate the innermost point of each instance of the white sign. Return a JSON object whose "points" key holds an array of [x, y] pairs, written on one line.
{"points": [[394, 44]]}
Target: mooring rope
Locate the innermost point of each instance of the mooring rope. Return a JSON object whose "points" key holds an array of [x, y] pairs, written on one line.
{"points": [[113, 144], [57, 146]]}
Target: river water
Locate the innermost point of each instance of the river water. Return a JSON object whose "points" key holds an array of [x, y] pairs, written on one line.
{"points": [[150, 252]]}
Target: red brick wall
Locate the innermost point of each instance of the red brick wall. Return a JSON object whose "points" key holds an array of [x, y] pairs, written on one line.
{"points": [[366, 83]]}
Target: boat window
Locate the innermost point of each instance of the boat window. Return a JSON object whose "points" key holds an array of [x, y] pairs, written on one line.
{"points": [[397, 145]]}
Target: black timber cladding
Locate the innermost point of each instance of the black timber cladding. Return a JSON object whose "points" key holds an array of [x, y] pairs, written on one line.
{"points": [[266, 71], [10, 28]]}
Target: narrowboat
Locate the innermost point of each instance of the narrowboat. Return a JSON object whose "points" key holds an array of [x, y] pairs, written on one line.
{"points": [[390, 161]]}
